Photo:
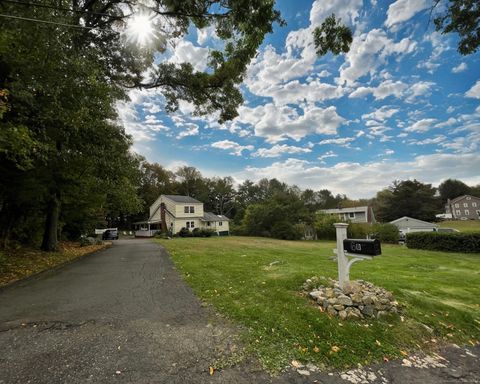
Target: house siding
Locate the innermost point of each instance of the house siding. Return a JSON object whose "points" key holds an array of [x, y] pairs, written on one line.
{"points": [[465, 207], [408, 225]]}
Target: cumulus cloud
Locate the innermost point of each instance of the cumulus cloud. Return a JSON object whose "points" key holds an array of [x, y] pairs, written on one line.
{"points": [[279, 150], [186, 52], [342, 141], [235, 148], [368, 51], [279, 123], [422, 125], [381, 114], [191, 129], [326, 155], [364, 180], [474, 91], [462, 67], [403, 10], [421, 88], [382, 91]]}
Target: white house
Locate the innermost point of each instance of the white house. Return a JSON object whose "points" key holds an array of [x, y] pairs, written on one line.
{"points": [[353, 214], [176, 212], [407, 224]]}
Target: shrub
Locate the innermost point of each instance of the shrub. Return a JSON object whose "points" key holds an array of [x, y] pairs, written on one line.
{"points": [[286, 231], [184, 232], [324, 227], [197, 232], [447, 242], [359, 230], [387, 233]]}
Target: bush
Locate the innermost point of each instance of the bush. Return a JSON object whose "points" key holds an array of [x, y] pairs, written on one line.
{"points": [[184, 232], [284, 230], [324, 227], [387, 233], [447, 242], [359, 230]]}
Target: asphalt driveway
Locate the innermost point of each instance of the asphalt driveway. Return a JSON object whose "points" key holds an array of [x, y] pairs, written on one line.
{"points": [[125, 315]]}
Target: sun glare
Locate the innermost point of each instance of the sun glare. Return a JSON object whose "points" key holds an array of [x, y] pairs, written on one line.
{"points": [[140, 29]]}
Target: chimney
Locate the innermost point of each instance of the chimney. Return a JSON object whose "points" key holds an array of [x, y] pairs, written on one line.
{"points": [[162, 217]]}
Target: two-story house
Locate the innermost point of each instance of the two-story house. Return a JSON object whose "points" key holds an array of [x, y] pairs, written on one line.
{"points": [[171, 213], [464, 207], [353, 214]]}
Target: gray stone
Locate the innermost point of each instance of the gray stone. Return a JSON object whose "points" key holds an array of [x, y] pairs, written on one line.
{"points": [[342, 315], [357, 297], [368, 310], [331, 311], [315, 294], [367, 300], [344, 300], [339, 307], [332, 301], [352, 287], [381, 314]]}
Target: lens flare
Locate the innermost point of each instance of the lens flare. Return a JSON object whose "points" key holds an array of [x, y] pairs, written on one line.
{"points": [[140, 29]]}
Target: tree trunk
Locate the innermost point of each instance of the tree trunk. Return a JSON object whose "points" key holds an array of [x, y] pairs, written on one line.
{"points": [[50, 238]]}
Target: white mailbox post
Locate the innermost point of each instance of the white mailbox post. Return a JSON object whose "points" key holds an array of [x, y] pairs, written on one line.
{"points": [[360, 246]]}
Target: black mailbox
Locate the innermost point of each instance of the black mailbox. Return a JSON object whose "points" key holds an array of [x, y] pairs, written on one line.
{"points": [[362, 246]]}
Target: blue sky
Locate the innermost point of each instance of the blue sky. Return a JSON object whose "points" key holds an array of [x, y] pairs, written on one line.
{"points": [[401, 104]]}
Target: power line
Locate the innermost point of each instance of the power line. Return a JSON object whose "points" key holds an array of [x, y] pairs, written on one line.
{"points": [[62, 8], [53, 23]]}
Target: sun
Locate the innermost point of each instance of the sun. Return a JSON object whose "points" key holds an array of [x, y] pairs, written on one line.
{"points": [[140, 29]]}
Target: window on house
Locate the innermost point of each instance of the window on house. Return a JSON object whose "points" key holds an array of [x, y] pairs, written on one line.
{"points": [[469, 198], [474, 204], [467, 212], [458, 212], [192, 209], [185, 209], [188, 225], [220, 223], [457, 205], [351, 215], [208, 224], [478, 212], [465, 205]]}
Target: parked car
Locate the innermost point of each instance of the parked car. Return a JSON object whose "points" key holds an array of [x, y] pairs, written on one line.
{"points": [[110, 234]]}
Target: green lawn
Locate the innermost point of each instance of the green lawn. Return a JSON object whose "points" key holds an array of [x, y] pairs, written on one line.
{"points": [[462, 225], [440, 292]]}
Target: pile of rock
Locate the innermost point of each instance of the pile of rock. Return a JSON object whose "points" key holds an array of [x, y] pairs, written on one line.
{"points": [[359, 299]]}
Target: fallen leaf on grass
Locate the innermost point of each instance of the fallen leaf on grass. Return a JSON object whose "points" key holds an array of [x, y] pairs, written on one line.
{"points": [[378, 343], [404, 353], [296, 364], [316, 349], [212, 370], [335, 349]]}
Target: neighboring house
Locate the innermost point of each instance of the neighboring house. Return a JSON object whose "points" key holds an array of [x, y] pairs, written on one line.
{"points": [[464, 207], [174, 212], [407, 224], [354, 214]]}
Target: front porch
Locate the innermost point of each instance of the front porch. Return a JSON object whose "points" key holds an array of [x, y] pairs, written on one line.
{"points": [[147, 228]]}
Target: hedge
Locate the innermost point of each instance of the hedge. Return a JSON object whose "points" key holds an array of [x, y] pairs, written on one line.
{"points": [[447, 242]]}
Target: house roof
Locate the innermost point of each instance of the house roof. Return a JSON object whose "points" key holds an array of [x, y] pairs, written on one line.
{"points": [[406, 218], [462, 197], [182, 199], [345, 210], [209, 216]]}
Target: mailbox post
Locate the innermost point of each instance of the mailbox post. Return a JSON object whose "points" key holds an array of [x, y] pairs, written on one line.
{"points": [[357, 249]]}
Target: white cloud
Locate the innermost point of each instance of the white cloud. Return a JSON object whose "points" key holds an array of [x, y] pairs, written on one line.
{"points": [[278, 123], [347, 10], [420, 88], [422, 125], [462, 67], [364, 180], [368, 51], [434, 140], [191, 130], [474, 91], [279, 150], [342, 141], [327, 155], [186, 52], [235, 148], [382, 91], [403, 10], [381, 114]]}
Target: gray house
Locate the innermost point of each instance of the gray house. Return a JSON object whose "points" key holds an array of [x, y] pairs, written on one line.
{"points": [[407, 224], [464, 207], [354, 214]]}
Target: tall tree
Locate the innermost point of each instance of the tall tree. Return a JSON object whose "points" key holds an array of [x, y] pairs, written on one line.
{"points": [[452, 188]]}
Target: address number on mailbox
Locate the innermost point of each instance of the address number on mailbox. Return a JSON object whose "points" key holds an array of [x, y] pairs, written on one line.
{"points": [[362, 246]]}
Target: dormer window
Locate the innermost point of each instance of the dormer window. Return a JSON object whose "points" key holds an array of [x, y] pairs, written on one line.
{"points": [[189, 209]]}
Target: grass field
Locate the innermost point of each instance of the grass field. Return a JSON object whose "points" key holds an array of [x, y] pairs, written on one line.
{"points": [[440, 292], [462, 225]]}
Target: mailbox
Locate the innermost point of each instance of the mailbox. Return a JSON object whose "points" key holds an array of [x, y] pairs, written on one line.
{"points": [[362, 246]]}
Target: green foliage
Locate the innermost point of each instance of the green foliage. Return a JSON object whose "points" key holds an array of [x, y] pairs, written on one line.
{"points": [[285, 230], [461, 17], [202, 232], [407, 198], [184, 232], [332, 36], [446, 242], [451, 188], [324, 227], [387, 233], [359, 230]]}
